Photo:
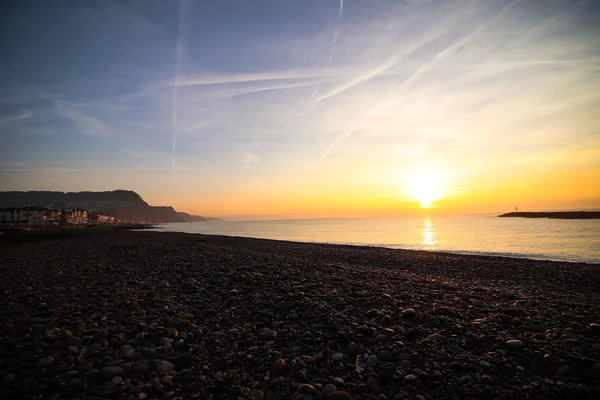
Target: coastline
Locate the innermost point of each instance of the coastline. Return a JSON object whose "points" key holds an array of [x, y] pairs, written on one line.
{"points": [[119, 313]]}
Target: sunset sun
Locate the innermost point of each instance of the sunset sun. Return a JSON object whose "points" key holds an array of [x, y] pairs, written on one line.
{"points": [[424, 185]]}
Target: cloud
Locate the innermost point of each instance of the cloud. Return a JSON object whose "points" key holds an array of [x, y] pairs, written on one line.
{"points": [[84, 123], [250, 159], [19, 116], [132, 153]]}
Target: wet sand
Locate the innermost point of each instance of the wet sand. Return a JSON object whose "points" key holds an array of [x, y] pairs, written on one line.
{"points": [[134, 315]]}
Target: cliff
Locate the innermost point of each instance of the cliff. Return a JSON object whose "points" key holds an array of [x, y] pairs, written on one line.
{"points": [[123, 204]]}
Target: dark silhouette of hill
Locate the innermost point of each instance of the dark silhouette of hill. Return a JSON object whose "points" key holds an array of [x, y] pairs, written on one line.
{"points": [[126, 205]]}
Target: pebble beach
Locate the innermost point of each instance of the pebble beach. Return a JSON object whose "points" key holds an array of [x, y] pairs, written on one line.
{"points": [[148, 315]]}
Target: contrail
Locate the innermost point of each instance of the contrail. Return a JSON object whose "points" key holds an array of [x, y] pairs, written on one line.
{"points": [[335, 36], [183, 29], [420, 72]]}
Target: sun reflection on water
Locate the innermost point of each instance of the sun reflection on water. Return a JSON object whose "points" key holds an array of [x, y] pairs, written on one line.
{"points": [[427, 234]]}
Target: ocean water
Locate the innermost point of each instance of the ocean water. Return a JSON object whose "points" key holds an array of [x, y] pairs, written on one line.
{"points": [[541, 239]]}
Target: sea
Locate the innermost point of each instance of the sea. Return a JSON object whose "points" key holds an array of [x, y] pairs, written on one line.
{"points": [[539, 239]]}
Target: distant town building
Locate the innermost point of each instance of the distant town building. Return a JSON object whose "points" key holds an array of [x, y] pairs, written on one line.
{"points": [[76, 216], [28, 215]]}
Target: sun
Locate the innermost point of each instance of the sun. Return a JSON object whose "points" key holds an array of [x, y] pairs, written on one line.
{"points": [[424, 184]]}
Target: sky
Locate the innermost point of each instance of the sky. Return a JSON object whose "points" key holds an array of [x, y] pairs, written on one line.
{"points": [[305, 108]]}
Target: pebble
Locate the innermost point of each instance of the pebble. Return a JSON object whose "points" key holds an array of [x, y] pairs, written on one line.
{"points": [[339, 395], [514, 344], [372, 385], [337, 357], [485, 364], [563, 372], [257, 394], [409, 313], [108, 373], [410, 379], [328, 389], [307, 389], [165, 366], [372, 360], [278, 367], [405, 364], [46, 362]]}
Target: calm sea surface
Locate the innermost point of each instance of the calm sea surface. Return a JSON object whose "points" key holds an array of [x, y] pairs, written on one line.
{"points": [[543, 239]]}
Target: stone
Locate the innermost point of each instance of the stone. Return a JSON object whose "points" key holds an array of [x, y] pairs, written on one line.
{"points": [[563, 372], [328, 389], [337, 357], [108, 373], [46, 362], [362, 388], [278, 367], [372, 385], [456, 366], [436, 337], [165, 366], [385, 356], [405, 364], [301, 376], [485, 364], [410, 379], [8, 380], [307, 389], [409, 313], [339, 395], [487, 380], [514, 344], [372, 360], [257, 394], [477, 391]]}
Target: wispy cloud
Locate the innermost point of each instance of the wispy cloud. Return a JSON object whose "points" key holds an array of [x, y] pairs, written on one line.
{"points": [[84, 123], [132, 153], [16, 117]]}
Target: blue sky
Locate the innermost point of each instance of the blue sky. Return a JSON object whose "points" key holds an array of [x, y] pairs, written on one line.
{"points": [[229, 99]]}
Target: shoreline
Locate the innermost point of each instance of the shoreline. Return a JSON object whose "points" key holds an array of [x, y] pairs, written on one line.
{"points": [[522, 256], [168, 315]]}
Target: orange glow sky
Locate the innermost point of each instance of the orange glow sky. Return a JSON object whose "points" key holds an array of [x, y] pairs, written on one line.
{"points": [[308, 109]]}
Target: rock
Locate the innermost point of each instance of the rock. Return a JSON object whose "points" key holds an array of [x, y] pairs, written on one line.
{"points": [[337, 357], [485, 364], [362, 388], [405, 364], [8, 380], [410, 379], [487, 380], [165, 366], [339, 395], [409, 313], [514, 344], [372, 360], [477, 391], [99, 335], [328, 390], [46, 362], [257, 394], [385, 356], [563, 372], [456, 366], [301, 376], [435, 337], [372, 385], [278, 367], [108, 373], [307, 389]]}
